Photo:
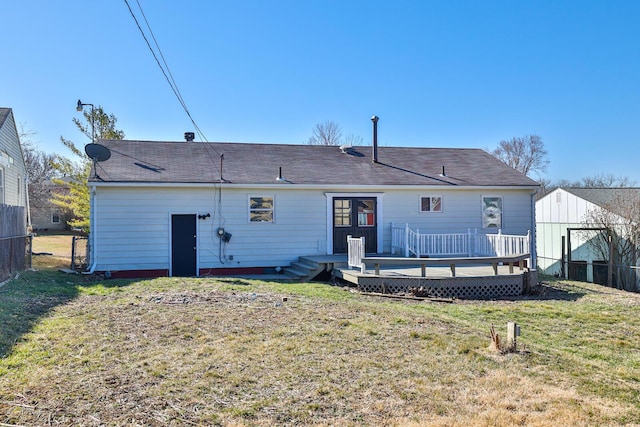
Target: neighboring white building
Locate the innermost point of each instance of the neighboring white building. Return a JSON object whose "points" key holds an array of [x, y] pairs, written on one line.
{"points": [[188, 208], [13, 173], [560, 216]]}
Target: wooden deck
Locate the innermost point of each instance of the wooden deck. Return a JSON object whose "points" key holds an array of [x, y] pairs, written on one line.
{"points": [[441, 277]]}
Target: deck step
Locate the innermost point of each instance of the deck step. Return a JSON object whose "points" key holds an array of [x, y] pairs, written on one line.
{"points": [[304, 269]]}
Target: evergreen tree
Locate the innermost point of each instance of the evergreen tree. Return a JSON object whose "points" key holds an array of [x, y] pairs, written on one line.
{"points": [[76, 199]]}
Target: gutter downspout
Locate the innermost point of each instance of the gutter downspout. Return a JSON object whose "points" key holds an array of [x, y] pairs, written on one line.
{"points": [[26, 193], [532, 243], [92, 230]]}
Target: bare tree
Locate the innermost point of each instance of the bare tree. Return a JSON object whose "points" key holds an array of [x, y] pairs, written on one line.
{"points": [[39, 167], [525, 154], [327, 133], [619, 220], [354, 140], [605, 181], [595, 181]]}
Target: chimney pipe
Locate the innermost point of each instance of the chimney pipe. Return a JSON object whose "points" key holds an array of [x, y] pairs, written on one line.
{"points": [[375, 119]]}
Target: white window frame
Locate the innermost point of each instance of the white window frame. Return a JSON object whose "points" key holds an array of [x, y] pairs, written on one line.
{"points": [[499, 213], [53, 214], [431, 197], [273, 208]]}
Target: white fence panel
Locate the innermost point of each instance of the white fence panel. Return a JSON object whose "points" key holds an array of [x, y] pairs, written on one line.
{"points": [[355, 252]]}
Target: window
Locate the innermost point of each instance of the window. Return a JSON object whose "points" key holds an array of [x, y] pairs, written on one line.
{"points": [[492, 212], [55, 216], [260, 209], [366, 213], [342, 213], [431, 204]]}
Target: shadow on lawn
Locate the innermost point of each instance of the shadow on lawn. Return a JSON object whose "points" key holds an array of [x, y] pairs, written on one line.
{"points": [[548, 291], [31, 296]]}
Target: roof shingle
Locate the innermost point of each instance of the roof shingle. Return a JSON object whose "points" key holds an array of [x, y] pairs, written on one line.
{"points": [[246, 163]]}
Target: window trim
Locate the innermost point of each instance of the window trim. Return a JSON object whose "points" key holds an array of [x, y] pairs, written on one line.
{"points": [[501, 214], [53, 214], [342, 216], [272, 210], [431, 197]]}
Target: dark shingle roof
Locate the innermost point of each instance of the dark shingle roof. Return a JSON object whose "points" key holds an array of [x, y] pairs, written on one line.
{"points": [[197, 162], [4, 113], [607, 198]]}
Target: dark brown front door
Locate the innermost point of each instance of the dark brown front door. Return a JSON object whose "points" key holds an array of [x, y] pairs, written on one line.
{"points": [[355, 216]]}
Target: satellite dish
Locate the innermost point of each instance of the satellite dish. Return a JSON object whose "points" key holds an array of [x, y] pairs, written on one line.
{"points": [[98, 153]]}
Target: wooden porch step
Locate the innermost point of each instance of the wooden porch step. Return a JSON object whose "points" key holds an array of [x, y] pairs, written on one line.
{"points": [[303, 270], [307, 268]]}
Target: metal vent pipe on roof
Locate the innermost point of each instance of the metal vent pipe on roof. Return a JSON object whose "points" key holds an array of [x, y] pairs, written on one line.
{"points": [[189, 136], [375, 119]]}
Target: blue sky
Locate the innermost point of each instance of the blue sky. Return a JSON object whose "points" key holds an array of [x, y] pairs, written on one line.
{"points": [[437, 73]]}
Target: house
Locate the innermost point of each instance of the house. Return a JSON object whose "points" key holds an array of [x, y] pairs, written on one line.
{"points": [[566, 232], [190, 208], [13, 198], [13, 172], [45, 215]]}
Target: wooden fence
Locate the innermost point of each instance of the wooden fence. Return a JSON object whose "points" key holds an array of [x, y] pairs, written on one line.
{"points": [[15, 245]]}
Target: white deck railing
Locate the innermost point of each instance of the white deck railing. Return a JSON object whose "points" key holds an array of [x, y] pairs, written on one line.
{"points": [[355, 250], [471, 244]]}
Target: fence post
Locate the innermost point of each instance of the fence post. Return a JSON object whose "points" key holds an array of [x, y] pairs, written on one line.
{"points": [[469, 243], [393, 238], [362, 254], [500, 243], [406, 240], [528, 249], [73, 252], [30, 240]]}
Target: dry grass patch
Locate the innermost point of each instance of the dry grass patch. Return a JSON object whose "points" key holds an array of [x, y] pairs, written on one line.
{"points": [[57, 244], [219, 352]]}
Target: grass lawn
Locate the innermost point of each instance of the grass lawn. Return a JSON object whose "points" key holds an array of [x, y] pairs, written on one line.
{"points": [[56, 243], [75, 350]]}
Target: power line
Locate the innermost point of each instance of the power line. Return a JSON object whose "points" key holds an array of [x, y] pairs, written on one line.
{"points": [[165, 69], [174, 87]]}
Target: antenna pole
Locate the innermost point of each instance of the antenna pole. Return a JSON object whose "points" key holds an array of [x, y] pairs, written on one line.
{"points": [[221, 159]]}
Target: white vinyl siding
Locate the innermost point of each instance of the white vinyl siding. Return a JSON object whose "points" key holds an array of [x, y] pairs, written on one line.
{"points": [[13, 165], [555, 213], [463, 212], [132, 227], [132, 224]]}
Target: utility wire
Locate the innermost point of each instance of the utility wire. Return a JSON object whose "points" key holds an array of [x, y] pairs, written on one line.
{"points": [[165, 69], [174, 87]]}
